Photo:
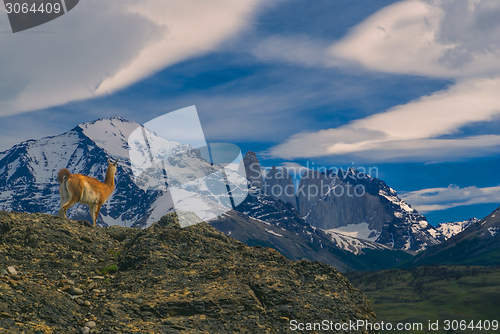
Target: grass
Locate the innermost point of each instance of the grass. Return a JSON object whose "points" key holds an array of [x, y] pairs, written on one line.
{"points": [[109, 269], [435, 293]]}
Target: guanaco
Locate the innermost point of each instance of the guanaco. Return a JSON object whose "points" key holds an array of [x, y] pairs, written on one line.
{"points": [[78, 188]]}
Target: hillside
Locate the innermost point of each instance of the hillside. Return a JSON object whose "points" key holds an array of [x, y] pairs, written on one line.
{"points": [[297, 240], [59, 274], [479, 245]]}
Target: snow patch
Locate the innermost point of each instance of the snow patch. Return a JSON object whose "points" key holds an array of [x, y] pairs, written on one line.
{"points": [[360, 231], [273, 233]]}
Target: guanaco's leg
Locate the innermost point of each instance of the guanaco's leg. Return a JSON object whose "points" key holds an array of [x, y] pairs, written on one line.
{"points": [[74, 195], [94, 211], [64, 198], [97, 210]]}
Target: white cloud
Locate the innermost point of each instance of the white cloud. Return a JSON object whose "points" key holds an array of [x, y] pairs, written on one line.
{"points": [[408, 131], [193, 27], [102, 46], [441, 38], [300, 50], [435, 199]]}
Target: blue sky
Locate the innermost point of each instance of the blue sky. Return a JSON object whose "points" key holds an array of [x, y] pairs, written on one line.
{"points": [[407, 87]]}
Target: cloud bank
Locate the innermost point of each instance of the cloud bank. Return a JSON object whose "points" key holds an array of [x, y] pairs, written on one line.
{"points": [[451, 39], [434, 199], [103, 46]]}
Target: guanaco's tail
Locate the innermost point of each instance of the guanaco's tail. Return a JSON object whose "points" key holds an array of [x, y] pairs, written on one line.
{"points": [[63, 174]]}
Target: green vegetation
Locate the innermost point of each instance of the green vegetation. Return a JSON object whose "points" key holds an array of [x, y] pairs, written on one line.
{"points": [[115, 254], [432, 293], [109, 269]]}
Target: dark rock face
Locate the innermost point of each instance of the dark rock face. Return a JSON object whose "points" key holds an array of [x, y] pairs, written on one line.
{"points": [[331, 200], [162, 279], [252, 169], [313, 186], [279, 185]]}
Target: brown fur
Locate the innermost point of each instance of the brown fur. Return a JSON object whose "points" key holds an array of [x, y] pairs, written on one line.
{"points": [[78, 188]]}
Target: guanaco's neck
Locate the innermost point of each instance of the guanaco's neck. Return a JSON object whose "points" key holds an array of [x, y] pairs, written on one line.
{"points": [[110, 178]]}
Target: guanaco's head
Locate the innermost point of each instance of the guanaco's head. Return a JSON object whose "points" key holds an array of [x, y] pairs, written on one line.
{"points": [[112, 166]]}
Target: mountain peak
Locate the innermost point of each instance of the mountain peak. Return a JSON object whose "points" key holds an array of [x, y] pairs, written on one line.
{"points": [[252, 169], [110, 134]]}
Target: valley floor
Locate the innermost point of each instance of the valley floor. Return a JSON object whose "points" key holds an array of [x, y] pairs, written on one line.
{"points": [[434, 293]]}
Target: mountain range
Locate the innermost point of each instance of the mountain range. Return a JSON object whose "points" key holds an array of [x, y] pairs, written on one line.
{"points": [[353, 222], [478, 244]]}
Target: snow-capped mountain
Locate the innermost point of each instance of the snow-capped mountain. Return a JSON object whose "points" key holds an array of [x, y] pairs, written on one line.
{"points": [[477, 245], [263, 220], [361, 206], [28, 183], [28, 175], [449, 230], [354, 204]]}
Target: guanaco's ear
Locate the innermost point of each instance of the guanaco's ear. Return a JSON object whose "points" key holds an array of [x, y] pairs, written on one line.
{"points": [[116, 161], [109, 162]]}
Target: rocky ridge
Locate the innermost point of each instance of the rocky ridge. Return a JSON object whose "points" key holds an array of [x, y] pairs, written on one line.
{"points": [[451, 229], [63, 276], [279, 185], [331, 200]]}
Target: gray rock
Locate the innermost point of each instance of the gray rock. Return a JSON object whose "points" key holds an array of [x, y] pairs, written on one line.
{"points": [[279, 185], [85, 330], [90, 324], [313, 186], [12, 270], [76, 291], [251, 168]]}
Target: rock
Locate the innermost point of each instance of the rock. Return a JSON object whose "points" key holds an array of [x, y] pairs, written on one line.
{"points": [[215, 285], [279, 185], [90, 324], [15, 276], [98, 277], [71, 282], [12, 270], [251, 168], [6, 315], [86, 238], [3, 272]]}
